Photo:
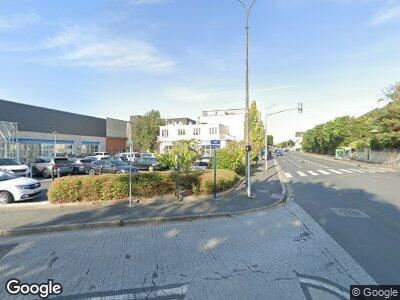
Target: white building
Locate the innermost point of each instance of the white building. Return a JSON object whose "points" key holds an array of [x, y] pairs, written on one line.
{"points": [[298, 139], [232, 118], [204, 133]]}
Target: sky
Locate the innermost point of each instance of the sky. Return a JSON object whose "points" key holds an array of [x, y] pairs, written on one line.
{"points": [[116, 58]]}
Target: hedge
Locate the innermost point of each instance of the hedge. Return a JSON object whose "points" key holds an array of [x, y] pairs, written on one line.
{"points": [[144, 185]]}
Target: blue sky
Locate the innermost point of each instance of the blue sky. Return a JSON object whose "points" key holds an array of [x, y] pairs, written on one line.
{"points": [[116, 58]]}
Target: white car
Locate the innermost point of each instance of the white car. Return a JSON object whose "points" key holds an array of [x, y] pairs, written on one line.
{"points": [[11, 165], [130, 157], [100, 155], [14, 188]]}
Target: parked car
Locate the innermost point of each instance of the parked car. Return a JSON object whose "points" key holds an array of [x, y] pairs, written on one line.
{"points": [[15, 188], [132, 157], [150, 164], [100, 155], [201, 165], [45, 165], [109, 166], [79, 164], [11, 165]]}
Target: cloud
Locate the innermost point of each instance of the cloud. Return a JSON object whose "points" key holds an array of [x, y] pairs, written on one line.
{"points": [[92, 48], [388, 14], [17, 21]]}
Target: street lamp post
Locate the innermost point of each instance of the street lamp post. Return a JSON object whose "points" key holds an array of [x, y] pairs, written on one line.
{"points": [[247, 11]]}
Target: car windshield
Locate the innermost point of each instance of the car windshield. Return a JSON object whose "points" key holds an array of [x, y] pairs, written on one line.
{"points": [[61, 160], [8, 162], [6, 176]]}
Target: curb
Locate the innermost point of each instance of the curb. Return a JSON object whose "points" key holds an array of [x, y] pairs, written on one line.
{"points": [[146, 221]]}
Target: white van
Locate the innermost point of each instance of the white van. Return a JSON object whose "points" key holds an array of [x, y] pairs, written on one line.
{"points": [[132, 157]]}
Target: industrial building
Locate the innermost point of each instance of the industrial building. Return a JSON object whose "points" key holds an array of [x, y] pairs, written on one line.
{"points": [[27, 131]]}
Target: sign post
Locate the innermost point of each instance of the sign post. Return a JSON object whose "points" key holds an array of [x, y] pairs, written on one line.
{"points": [[129, 137], [214, 144]]}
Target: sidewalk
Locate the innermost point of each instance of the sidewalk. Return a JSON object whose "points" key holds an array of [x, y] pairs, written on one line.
{"points": [[266, 189]]}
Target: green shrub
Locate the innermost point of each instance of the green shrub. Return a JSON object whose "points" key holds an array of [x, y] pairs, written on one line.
{"points": [[226, 179], [232, 157], [144, 185]]}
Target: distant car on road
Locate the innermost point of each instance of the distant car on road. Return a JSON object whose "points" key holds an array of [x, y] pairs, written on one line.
{"points": [[79, 164], [44, 166], [15, 188], [109, 166], [150, 164], [11, 165], [279, 153]]}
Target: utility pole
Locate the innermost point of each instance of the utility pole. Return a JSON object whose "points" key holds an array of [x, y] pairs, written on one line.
{"points": [[266, 138], [247, 11]]}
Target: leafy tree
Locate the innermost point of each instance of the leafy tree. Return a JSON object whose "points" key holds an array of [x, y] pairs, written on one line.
{"points": [[145, 131], [359, 144], [284, 144], [257, 131], [270, 140], [188, 152]]}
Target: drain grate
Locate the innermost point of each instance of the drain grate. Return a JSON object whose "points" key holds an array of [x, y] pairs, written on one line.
{"points": [[349, 212]]}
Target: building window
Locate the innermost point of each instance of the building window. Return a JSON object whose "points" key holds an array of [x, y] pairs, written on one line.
{"points": [[167, 148], [181, 131], [196, 131], [164, 133], [213, 130]]}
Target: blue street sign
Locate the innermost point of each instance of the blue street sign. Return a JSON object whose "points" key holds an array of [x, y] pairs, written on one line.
{"points": [[215, 143]]}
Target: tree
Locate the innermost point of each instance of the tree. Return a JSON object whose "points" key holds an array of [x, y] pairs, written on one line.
{"points": [[145, 131], [257, 131], [231, 158], [187, 151]]}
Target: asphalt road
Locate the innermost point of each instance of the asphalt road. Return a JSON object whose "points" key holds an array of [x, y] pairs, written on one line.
{"points": [[357, 206]]}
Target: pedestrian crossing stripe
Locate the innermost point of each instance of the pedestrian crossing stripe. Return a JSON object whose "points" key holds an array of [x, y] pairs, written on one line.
{"points": [[335, 171], [323, 172], [313, 173], [346, 171], [301, 173], [358, 171], [369, 171]]}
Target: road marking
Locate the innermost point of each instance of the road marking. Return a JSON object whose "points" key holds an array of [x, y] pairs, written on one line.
{"points": [[346, 171], [292, 162], [301, 173], [313, 173], [288, 175], [319, 165], [323, 172], [369, 171], [335, 171], [382, 171], [358, 171]]}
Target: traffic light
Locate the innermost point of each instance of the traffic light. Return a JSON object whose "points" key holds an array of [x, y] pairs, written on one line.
{"points": [[300, 107]]}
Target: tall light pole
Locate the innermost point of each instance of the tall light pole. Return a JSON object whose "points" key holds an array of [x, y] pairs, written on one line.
{"points": [[247, 10]]}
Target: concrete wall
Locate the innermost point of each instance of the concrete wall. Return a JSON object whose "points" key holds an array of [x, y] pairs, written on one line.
{"points": [[381, 157], [116, 128]]}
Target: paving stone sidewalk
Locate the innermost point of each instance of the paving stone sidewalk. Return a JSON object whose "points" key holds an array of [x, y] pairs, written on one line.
{"points": [[266, 190], [276, 254]]}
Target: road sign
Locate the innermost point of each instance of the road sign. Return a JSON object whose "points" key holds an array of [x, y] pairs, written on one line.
{"points": [[215, 143]]}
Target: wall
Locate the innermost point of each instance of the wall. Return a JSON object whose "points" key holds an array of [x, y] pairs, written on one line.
{"points": [[115, 145], [381, 157], [116, 128], [39, 119]]}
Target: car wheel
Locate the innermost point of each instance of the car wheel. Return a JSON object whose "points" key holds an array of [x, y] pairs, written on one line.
{"points": [[6, 197], [151, 168], [92, 172], [46, 174], [118, 172]]}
